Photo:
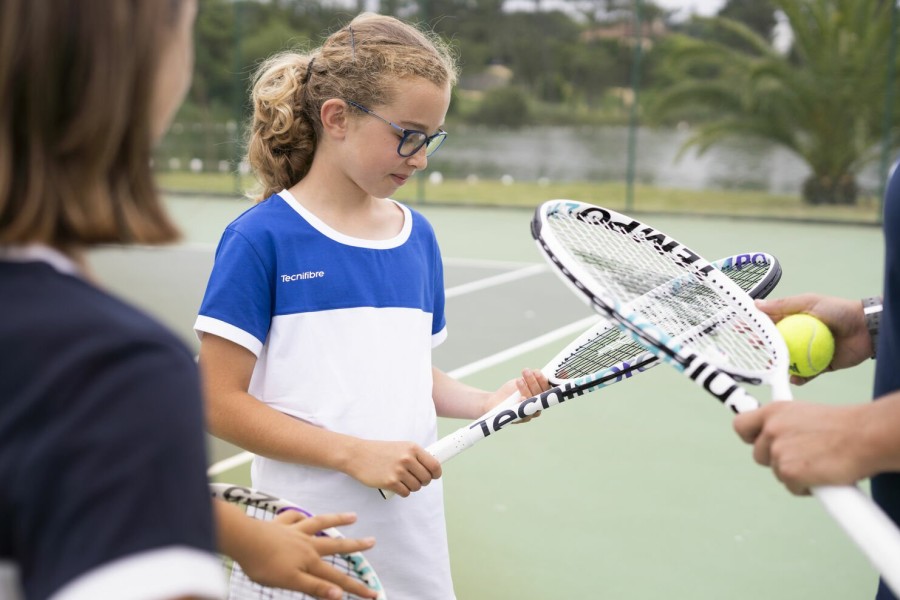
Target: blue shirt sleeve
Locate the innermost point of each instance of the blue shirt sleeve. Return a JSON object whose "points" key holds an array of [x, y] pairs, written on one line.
{"points": [[240, 289], [439, 319]]}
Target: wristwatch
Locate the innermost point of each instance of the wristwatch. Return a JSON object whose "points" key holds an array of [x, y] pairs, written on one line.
{"points": [[872, 311]]}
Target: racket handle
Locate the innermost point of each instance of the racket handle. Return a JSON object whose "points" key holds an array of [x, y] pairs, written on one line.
{"points": [[873, 532], [444, 449], [451, 445]]}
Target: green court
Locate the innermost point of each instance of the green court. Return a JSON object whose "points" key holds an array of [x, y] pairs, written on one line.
{"points": [[634, 492]]}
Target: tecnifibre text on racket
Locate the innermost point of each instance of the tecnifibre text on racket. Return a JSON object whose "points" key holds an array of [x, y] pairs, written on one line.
{"points": [[260, 505], [601, 356], [705, 326]]}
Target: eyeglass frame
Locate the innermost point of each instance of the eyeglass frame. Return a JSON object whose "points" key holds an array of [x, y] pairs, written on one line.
{"points": [[427, 139]]}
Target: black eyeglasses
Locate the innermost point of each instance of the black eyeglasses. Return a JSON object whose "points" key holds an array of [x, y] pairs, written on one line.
{"points": [[411, 141]]}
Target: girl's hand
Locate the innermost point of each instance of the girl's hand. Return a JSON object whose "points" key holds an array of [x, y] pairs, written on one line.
{"points": [[285, 553], [531, 383], [291, 555], [402, 467]]}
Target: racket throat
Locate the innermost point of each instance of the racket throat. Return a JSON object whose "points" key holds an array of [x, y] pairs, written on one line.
{"points": [[711, 379]]}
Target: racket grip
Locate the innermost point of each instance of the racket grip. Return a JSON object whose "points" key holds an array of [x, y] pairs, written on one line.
{"points": [[444, 449], [451, 445], [866, 524]]}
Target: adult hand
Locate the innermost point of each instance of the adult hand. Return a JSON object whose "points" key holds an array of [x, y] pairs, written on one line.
{"points": [[845, 319], [807, 444]]}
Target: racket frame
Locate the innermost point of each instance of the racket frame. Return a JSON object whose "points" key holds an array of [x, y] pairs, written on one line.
{"points": [[720, 383]]}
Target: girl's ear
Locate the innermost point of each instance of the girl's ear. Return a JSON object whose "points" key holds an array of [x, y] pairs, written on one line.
{"points": [[334, 115]]}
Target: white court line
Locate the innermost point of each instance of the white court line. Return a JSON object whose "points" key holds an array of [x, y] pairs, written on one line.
{"points": [[485, 263], [487, 282], [566, 331], [570, 330], [232, 462]]}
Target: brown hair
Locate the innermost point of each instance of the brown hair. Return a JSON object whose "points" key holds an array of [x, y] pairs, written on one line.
{"points": [[76, 133], [358, 62]]}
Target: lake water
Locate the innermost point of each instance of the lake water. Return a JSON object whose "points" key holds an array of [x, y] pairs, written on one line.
{"points": [[601, 153], [561, 154]]}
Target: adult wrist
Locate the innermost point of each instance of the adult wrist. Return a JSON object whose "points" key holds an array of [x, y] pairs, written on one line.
{"points": [[878, 443], [872, 308]]}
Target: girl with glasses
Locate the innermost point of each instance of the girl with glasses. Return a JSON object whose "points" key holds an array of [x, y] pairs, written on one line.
{"points": [[326, 298]]}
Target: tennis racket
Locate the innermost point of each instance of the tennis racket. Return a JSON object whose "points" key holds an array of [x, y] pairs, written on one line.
{"points": [[599, 357], [264, 506], [705, 326]]}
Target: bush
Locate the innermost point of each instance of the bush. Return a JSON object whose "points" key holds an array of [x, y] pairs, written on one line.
{"points": [[823, 189], [502, 107]]}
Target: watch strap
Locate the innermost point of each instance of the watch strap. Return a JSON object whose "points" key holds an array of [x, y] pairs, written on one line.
{"points": [[872, 308]]}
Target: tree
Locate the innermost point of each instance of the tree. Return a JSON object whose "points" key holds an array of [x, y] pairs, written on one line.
{"points": [[824, 100], [758, 15], [503, 107], [214, 59]]}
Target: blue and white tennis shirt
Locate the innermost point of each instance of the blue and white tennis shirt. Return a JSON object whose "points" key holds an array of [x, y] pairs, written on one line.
{"points": [[343, 330]]}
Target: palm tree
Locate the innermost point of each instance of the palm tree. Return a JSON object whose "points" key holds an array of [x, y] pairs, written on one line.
{"points": [[823, 100]]}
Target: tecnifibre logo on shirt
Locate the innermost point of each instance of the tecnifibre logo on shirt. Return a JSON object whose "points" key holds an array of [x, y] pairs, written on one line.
{"points": [[302, 276]]}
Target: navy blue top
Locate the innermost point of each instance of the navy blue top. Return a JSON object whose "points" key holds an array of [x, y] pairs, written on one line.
{"points": [[102, 452], [886, 486]]}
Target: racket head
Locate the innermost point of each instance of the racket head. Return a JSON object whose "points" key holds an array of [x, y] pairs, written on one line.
{"points": [[604, 347], [666, 295], [261, 505]]}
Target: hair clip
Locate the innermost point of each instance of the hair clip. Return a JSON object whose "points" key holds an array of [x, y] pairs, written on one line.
{"points": [[352, 42], [309, 70]]}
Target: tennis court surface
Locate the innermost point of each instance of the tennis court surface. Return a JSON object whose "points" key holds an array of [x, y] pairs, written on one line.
{"points": [[637, 491]]}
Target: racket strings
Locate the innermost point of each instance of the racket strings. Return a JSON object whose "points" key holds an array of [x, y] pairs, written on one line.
{"points": [[749, 275], [681, 304], [608, 349]]}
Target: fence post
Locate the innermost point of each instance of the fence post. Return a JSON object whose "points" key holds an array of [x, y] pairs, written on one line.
{"points": [[888, 112], [632, 120], [238, 91]]}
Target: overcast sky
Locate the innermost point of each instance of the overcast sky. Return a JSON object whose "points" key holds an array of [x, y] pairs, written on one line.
{"points": [[686, 7], [683, 9]]}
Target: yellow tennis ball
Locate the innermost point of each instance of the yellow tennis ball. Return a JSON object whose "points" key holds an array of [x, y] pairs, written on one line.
{"points": [[809, 342]]}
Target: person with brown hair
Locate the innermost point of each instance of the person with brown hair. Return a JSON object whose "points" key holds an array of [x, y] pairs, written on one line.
{"points": [[102, 444], [327, 297]]}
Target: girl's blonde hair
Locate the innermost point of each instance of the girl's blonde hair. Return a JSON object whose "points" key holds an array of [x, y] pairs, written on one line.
{"points": [[359, 62]]}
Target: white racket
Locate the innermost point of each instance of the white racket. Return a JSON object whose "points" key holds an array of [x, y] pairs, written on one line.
{"points": [[705, 326], [601, 356], [265, 506]]}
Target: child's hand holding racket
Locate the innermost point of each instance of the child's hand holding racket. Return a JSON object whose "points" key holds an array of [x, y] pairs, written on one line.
{"points": [[531, 383], [287, 553], [401, 467], [283, 546]]}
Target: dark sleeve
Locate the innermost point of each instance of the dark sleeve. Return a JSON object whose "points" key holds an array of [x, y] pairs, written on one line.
{"points": [[119, 469]]}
